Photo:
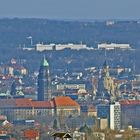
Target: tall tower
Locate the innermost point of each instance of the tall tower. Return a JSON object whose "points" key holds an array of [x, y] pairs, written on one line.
{"points": [[101, 83], [115, 116], [106, 83], [112, 113], [43, 81], [13, 88]]}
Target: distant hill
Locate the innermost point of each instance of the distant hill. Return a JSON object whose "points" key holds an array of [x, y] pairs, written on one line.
{"points": [[15, 31]]}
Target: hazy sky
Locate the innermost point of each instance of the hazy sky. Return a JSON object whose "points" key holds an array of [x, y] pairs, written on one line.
{"points": [[71, 9]]}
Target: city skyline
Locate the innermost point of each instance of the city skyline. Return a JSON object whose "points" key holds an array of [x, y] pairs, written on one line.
{"points": [[89, 9]]}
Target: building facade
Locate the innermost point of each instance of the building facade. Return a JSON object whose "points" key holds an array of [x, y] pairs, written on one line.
{"points": [[130, 113], [112, 113], [22, 109], [65, 106]]}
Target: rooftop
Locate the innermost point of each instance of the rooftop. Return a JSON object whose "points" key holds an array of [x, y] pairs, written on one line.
{"points": [[41, 104], [61, 135], [130, 102], [65, 101], [24, 102]]}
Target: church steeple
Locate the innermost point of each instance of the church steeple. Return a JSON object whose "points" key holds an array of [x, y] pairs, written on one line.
{"points": [[44, 63], [105, 64], [105, 69], [43, 81]]}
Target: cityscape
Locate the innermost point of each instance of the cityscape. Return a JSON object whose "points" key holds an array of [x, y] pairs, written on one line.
{"points": [[69, 71]]}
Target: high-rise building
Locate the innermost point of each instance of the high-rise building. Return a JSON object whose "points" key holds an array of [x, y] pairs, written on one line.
{"points": [[112, 113], [43, 81], [115, 116]]}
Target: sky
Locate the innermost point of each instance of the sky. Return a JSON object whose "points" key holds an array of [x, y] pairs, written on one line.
{"points": [[70, 9]]}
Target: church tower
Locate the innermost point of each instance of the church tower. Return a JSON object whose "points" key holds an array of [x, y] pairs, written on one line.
{"points": [[43, 81], [105, 84]]}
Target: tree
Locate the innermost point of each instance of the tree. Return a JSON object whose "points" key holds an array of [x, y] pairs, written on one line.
{"points": [[86, 129], [98, 137], [109, 134], [128, 134], [55, 124]]}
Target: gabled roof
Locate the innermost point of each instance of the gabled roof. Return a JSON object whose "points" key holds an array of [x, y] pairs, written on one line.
{"points": [[64, 101]]}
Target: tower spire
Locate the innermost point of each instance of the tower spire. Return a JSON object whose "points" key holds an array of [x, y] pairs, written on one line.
{"points": [[44, 62]]}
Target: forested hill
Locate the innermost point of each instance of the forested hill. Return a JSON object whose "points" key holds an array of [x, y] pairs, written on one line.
{"points": [[15, 31]]}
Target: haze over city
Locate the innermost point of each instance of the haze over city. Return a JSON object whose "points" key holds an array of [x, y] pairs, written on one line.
{"points": [[70, 9], [69, 69]]}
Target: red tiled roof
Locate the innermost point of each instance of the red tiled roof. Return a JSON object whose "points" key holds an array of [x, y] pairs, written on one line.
{"points": [[64, 101], [130, 102], [29, 103], [23, 102], [31, 133], [39, 104]]}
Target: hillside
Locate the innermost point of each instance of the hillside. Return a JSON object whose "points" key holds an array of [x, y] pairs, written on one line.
{"points": [[15, 31]]}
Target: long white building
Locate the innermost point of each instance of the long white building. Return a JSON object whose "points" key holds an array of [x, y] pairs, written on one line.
{"points": [[113, 46], [45, 47]]}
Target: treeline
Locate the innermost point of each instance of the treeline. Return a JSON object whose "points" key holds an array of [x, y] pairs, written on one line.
{"points": [[15, 31]]}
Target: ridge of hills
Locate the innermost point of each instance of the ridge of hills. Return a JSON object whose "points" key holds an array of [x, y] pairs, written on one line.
{"points": [[15, 31]]}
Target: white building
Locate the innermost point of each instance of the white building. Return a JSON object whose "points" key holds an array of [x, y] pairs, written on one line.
{"points": [[113, 46], [70, 86], [71, 46], [115, 116], [111, 112], [45, 47]]}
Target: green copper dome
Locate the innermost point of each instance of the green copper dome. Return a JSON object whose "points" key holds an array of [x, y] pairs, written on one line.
{"points": [[44, 63]]}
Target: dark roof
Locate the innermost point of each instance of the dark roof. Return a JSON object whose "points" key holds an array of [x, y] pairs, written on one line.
{"points": [[61, 135]]}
